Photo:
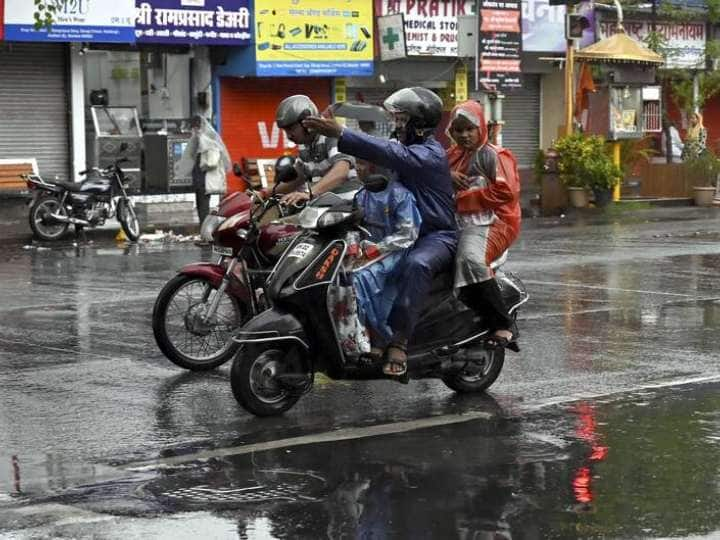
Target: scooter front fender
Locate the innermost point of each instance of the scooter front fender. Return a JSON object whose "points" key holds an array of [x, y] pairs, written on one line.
{"points": [[273, 325], [214, 273]]}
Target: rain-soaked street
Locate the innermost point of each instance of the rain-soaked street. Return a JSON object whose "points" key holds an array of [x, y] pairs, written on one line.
{"points": [[606, 425]]}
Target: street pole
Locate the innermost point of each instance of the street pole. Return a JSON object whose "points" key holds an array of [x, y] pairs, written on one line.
{"points": [[569, 79], [616, 161], [569, 86]]}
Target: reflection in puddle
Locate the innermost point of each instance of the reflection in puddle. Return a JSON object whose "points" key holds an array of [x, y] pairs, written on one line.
{"points": [[642, 467]]}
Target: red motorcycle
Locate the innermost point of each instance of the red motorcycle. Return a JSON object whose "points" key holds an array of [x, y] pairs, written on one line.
{"points": [[197, 311]]}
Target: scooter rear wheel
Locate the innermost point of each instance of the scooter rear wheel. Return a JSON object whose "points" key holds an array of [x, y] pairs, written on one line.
{"points": [[473, 381], [253, 379]]}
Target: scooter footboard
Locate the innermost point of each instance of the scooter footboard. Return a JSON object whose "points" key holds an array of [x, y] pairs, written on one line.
{"points": [[273, 325]]}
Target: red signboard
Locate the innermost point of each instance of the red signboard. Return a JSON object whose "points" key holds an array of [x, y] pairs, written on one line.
{"points": [[2, 20], [248, 106]]}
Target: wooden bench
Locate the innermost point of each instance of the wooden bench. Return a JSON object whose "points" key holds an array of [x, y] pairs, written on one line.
{"points": [[11, 171]]}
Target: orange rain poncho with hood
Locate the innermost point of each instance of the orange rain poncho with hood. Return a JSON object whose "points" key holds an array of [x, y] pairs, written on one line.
{"points": [[488, 215], [501, 194]]}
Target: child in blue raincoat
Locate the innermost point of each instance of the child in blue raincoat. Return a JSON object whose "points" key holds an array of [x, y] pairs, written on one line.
{"points": [[392, 217]]}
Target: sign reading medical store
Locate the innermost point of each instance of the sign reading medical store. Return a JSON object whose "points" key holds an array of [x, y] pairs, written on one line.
{"points": [[208, 22], [74, 20], [300, 38]]}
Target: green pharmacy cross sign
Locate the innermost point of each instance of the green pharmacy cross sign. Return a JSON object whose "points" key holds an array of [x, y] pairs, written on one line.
{"points": [[390, 38]]}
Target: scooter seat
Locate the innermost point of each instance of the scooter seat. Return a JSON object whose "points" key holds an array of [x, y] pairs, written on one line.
{"points": [[70, 186]]}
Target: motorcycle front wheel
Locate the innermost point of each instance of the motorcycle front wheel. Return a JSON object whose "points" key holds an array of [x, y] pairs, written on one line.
{"points": [[477, 378], [255, 382], [182, 333], [128, 220], [41, 224]]}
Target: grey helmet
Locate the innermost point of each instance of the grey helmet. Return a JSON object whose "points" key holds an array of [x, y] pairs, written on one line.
{"points": [[293, 109], [422, 105]]}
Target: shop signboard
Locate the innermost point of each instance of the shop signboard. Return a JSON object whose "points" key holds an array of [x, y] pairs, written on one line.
{"points": [[684, 46], [431, 27], [202, 22], [500, 44], [543, 26], [2, 19], [313, 38], [74, 20]]}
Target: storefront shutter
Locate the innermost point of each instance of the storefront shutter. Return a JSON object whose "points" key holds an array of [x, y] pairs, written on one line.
{"points": [[521, 112], [248, 112], [34, 108]]}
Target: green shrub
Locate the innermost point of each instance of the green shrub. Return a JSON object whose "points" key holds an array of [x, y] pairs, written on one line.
{"points": [[583, 161], [703, 169]]}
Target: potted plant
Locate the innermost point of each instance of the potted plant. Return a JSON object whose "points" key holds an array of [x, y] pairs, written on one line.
{"points": [[703, 171], [603, 175], [632, 153], [584, 164], [570, 151]]}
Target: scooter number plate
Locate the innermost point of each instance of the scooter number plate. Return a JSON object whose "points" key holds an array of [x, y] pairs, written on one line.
{"points": [[301, 250], [224, 251]]}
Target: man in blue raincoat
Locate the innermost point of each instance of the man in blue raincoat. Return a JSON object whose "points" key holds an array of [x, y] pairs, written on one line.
{"points": [[421, 166]]}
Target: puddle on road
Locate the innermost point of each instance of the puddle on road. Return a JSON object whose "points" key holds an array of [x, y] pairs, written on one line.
{"points": [[641, 466], [645, 466]]}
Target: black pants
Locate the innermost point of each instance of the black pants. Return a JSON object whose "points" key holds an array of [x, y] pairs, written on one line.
{"points": [[485, 299], [202, 201]]}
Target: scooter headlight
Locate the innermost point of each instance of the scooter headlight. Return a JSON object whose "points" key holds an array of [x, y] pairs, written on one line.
{"points": [[209, 226], [328, 219]]}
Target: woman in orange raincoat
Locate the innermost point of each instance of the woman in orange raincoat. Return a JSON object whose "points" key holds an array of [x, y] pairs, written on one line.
{"points": [[488, 215]]}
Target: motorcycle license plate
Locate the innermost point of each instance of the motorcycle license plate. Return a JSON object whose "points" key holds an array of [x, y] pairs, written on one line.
{"points": [[299, 251], [224, 251]]}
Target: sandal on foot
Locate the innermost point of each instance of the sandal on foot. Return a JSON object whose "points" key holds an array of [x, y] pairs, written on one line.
{"points": [[395, 367]]}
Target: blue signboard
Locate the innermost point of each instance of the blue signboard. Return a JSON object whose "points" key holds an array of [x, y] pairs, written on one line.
{"points": [[207, 22], [313, 69], [75, 20]]}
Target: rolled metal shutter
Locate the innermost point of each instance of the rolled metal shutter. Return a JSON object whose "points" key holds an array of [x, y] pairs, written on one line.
{"points": [[34, 107], [521, 112]]}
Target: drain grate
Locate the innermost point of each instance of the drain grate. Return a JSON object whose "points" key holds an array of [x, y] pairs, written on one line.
{"points": [[208, 494], [233, 488]]}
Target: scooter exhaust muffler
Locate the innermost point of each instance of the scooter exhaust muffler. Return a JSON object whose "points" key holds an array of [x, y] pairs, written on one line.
{"points": [[67, 219]]}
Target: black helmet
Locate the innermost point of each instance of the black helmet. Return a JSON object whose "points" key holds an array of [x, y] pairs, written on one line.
{"points": [[293, 109], [285, 170], [423, 106]]}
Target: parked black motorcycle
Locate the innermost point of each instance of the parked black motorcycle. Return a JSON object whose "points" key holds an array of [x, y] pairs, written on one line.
{"points": [[284, 346], [57, 205]]}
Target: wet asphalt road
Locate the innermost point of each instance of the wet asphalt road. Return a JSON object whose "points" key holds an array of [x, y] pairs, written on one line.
{"points": [[606, 425]]}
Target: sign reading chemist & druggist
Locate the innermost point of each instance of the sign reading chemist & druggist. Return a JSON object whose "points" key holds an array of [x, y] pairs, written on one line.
{"points": [[300, 38], [430, 26], [204, 22], [75, 20]]}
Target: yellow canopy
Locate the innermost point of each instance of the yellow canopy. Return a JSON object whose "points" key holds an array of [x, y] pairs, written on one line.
{"points": [[618, 48]]}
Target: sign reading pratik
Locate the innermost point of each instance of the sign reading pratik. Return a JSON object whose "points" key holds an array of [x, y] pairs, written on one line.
{"points": [[430, 25], [500, 44]]}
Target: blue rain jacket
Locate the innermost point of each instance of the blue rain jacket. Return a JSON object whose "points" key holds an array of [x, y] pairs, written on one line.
{"points": [[393, 219], [422, 168]]}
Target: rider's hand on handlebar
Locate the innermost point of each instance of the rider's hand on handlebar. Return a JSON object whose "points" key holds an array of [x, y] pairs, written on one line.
{"points": [[296, 198]]}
